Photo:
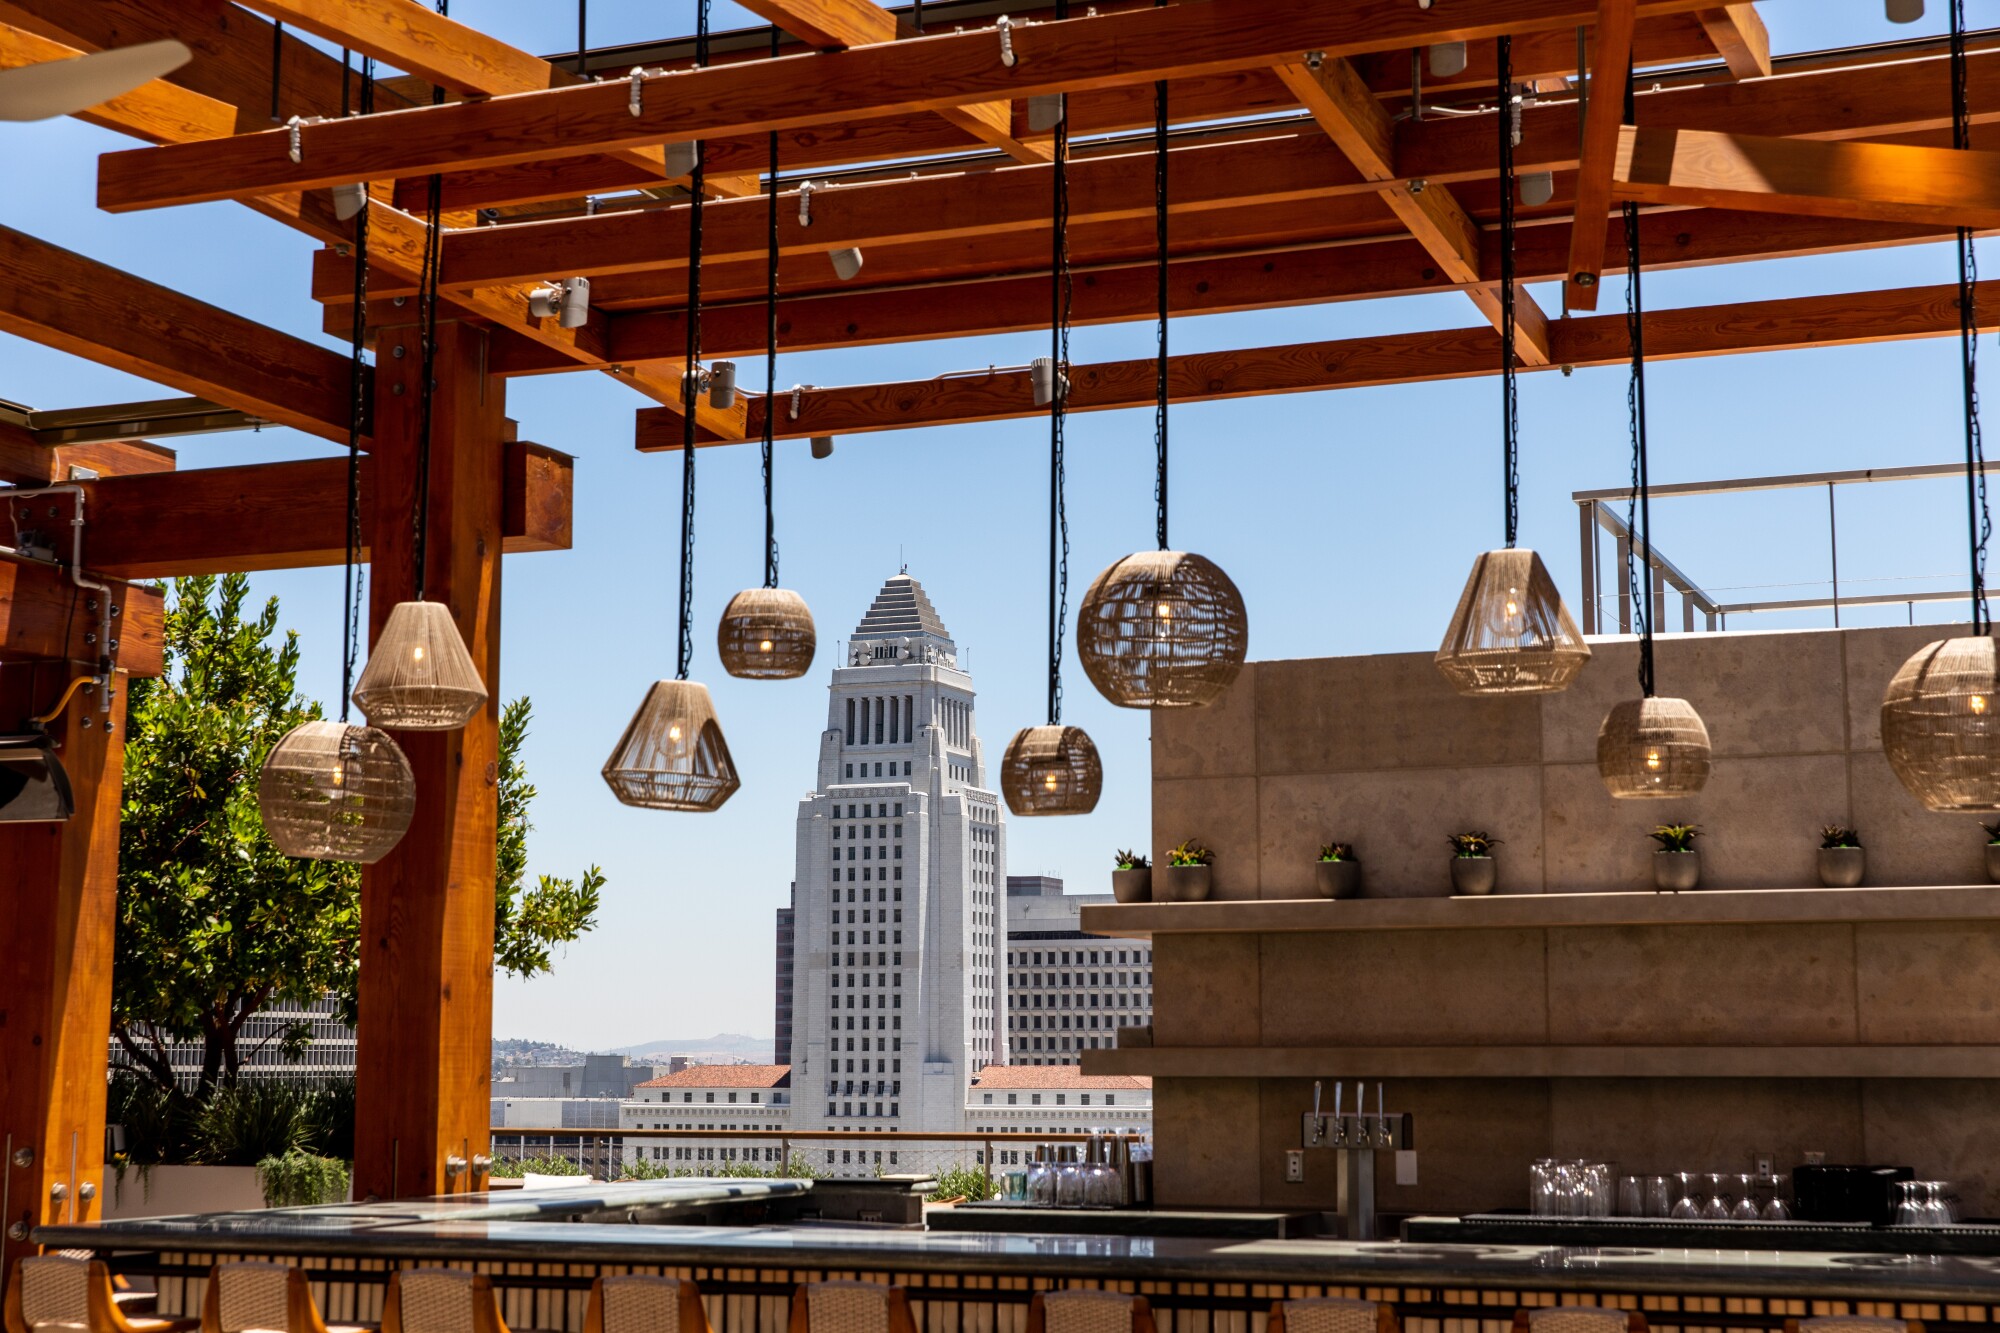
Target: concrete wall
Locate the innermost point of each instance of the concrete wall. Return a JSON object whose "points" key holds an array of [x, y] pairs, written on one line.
{"points": [[1381, 753]]}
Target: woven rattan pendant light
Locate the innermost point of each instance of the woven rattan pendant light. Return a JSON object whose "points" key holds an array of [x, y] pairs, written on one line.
{"points": [[767, 633], [1054, 769], [1511, 633], [1163, 628], [1941, 712], [329, 791], [673, 755], [1649, 747], [419, 675]]}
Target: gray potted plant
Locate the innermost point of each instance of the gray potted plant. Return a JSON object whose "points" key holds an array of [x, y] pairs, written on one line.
{"points": [[1842, 863], [1188, 867], [1339, 871], [1992, 851], [1473, 869], [1676, 865], [1132, 881]]}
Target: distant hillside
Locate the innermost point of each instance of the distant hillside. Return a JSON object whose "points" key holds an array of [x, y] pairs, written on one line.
{"points": [[729, 1046]]}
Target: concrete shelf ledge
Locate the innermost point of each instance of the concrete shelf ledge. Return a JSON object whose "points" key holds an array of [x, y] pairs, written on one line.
{"points": [[1973, 902], [1385, 1062]]}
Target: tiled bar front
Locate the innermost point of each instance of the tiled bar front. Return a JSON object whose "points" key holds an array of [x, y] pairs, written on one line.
{"points": [[1870, 1039]]}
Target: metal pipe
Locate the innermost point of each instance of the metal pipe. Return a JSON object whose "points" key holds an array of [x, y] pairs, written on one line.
{"points": [[103, 590]]}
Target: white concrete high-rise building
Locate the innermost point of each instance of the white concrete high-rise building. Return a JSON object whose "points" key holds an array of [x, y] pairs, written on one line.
{"points": [[899, 915]]}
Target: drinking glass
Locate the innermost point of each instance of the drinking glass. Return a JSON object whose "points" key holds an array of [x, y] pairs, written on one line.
{"points": [[1541, 1187], [1746, 1209], [1777, 1210], [1017, 1186], [1687, 1206], [1631, 1196], [1937, 1204], [1717, 1207], [1659, 1197], [1909, 1204]]}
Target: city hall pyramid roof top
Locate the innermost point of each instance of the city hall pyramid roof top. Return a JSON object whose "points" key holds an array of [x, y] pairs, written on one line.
{"points": [[900, 609]]}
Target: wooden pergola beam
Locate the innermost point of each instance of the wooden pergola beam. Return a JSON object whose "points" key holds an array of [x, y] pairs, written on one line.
{"points": [[1740, 38], [923, 74], [39, 620], [1610, 69], [1878, 181], [829, 25], [417, 39], [290, 515], [1766, 326], [25, 460], [61, 299]]}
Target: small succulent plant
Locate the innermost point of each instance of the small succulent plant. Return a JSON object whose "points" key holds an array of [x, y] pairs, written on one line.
{"points": [[1833, 837], [1473, 844], [1676, 837], [1190, 853], [1134, 861], [1338, 851], [1992, 833]]}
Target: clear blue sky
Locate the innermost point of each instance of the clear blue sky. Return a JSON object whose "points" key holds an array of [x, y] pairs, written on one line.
{"points": [[1348, 519]]}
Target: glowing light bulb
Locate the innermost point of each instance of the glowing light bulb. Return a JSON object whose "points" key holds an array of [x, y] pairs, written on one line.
{"points": [[1166, 611], [1050, 781], [1978, 703], [1653, 760], [418, 652], [765, 646], [674, 732], [340, 776]]}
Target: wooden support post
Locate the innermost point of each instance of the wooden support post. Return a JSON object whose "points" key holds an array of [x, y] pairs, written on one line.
{"points": [[59, 899], [426, 1029]]}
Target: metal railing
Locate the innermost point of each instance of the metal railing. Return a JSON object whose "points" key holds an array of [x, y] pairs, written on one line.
{"points": [[609, 1153]]}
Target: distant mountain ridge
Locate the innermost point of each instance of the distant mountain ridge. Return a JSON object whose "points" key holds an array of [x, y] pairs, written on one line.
{"points": [[732, 1046]]}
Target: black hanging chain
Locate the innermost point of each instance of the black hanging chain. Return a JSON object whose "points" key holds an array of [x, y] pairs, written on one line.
{"points": [[1510, 400], [1638, 512], [917, 18], [771, 359], [691, 377], [357, 413], [427, 303], [1979, 525], [1060, 293], [1160, 228], [277, 68]]}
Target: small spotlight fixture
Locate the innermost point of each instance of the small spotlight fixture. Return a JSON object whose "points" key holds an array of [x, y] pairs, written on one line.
{"points": [[1447, 60], [722, 385], [822, 446], [568, 301], [1537, 188], [348, 199], [682, 159], [1904, 11], [1047, 380], [846, 263], [1045, 112]]}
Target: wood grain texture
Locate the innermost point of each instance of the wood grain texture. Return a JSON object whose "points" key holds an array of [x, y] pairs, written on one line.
{"points": [[1763, 326], [61, 299], [426, 1030], [26, 461], [416, 38], [1872, 181], [1610, 64], [290, 515], [992, 123], [922, 74], [1740, 39], [41, 617], [828, 24]]}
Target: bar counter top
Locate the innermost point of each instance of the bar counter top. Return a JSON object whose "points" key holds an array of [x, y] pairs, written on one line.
{"points": [[523, 1228]]}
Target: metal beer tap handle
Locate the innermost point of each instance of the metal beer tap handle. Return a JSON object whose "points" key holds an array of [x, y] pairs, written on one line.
{"points": [[1319, 1121], [1339, 1123]]}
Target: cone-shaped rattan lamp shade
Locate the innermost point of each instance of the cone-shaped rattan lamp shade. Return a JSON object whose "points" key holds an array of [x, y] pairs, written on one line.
{"points": [[766, 634], [1653, 749], [333, 792], [419, 676], [1511, 633], [1941, 724], [1051, 771], [1162, 629], [672, 755]]}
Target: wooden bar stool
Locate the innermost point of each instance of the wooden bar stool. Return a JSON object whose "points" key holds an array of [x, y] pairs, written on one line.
{"points": [[1853, 1323], [851, 1307], [1579, 1319], [259, 1297], [440, 1300], [1333, 1314], [642, 1304], [1086, 1311], [52, 1291]]}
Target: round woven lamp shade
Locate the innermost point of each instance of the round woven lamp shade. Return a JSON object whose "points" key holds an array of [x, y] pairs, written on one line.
{"points": [[1941, 724], [766, 634], [1511, 633], [1162, 629], [1653, 749], [672, 755], [419, 676], [1051, 771], [333, 792]]}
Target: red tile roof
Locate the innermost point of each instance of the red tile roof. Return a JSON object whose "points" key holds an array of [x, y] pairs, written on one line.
{"points": [[726, 1076], [1058, 1077]]}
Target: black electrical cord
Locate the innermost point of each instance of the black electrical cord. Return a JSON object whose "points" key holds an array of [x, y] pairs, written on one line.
{"points": [[1161, 237], [1059, 295], [427, 303], [582, 41], [1979, 525], [277, 67], [691, 378], [1510, 402], [357, 416], [771, 358]]}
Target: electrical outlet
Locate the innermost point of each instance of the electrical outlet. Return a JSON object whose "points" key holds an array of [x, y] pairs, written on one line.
{"points": [[1295, 1167], [1764, 1166]]}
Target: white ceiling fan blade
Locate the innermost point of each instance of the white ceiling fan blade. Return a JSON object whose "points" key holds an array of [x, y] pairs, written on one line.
{"points": [[65, 87]]}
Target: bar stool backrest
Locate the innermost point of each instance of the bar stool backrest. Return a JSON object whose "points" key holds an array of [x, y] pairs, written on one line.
{"points": [[54, 1291], [850, 1307], [250, 1298], [1579, 1319], [639, 1303], [440, 1300], [1333, 1314], [1853, 1323], [1086, 1311]]}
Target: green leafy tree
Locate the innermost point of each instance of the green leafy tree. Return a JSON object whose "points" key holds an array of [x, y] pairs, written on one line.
{"points": [[214, 923]]}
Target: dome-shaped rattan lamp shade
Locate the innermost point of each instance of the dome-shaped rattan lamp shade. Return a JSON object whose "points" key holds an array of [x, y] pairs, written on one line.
{"points": [[766, 634], [1051, 771], [333, 792], [672, 755], [1941, 724], [1511, 633], [1162, 629], [419, 675], [1653, 749]]}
